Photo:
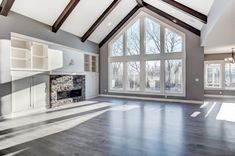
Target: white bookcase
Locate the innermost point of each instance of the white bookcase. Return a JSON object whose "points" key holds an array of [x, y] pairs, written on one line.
{"points": [[33, 56], [90, 63], [20, 54]]}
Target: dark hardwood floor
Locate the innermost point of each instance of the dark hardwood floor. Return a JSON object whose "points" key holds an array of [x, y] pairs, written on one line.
{"points": [[131, 128]]}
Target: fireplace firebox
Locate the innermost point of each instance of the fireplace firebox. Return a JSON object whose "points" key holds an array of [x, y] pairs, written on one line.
{"points": [[66, 89]]}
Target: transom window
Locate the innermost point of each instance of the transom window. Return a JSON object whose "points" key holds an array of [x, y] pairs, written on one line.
{"points": [[147, 57]]}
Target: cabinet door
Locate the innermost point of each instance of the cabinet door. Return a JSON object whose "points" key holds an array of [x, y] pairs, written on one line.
{"points": [[55, 59], [21, 95], [5, 52], [39, 91], [91, 85]]}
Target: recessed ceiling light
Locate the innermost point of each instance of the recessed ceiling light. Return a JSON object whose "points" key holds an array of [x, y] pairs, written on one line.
{"points": [[173, 11], [109, 24], [174, 20]]}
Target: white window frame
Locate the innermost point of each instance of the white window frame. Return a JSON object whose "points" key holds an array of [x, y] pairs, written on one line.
{"points": [[222, 86], [221, 75], [147, 57]]}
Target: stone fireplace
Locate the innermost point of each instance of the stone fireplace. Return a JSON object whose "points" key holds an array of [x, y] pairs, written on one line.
{"points": [[66, 89]]}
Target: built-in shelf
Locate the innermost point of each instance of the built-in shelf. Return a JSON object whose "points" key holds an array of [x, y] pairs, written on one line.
{"points": [[28, 55], [20, 59], [90, 63]]}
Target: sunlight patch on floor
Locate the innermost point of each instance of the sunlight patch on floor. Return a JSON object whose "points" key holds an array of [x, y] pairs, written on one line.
{"points": [[30, 134], [210, 110], [227, 112], [125, 108], [195, 114]]}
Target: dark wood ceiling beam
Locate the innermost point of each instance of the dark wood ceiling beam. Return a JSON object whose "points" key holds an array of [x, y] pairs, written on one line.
{"points": [[188, 10], [140, 3], [124, 20], [64, 15], [111, 7], [6, 6], [173, 19]]}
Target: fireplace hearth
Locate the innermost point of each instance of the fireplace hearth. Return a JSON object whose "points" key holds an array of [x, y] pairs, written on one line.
{"points": [[66, 89]]}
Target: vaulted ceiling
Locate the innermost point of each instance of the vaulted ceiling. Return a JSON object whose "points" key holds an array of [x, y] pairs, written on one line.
{"points": [[86, 12]]}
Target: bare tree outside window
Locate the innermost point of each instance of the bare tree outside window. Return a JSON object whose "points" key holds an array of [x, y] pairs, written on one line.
{"points": [[213, 74], [153, 71], [117, 75], [173, 42], [133, 75], [158, 49], [230, 75], [117, 47], [173, 76], [152, 37], [133, 39]]}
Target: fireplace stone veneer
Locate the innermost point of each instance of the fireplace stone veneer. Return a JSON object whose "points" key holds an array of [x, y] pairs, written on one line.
{"points": [[66, 89]]}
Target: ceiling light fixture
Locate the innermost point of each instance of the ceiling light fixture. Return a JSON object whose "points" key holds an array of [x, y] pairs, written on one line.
{"points": [[174, 20], [230, 59], [109, 24], [173, 11]]}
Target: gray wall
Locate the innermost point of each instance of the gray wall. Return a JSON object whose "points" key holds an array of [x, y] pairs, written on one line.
{"points": [[26, 26], [216, 57], [194, 64]]}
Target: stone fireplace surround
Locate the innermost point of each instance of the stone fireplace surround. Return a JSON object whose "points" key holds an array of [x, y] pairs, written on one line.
{"points": [[66, 89]]}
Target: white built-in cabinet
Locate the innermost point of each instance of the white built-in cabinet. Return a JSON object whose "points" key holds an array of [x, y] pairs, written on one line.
{"points": [[92, 85], [34, 56]]}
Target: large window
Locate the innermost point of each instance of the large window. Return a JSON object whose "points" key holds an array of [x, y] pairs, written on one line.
{"points": [[219, 75], [213, 75], [147, 57], [173, 76], [230, 76]]}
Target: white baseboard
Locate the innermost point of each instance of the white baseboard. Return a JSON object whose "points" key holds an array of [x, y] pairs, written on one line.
{"points": [[154, 99], [219, 96]]}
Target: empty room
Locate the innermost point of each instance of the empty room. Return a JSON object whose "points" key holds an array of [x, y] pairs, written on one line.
{"points": [[117, 78]]}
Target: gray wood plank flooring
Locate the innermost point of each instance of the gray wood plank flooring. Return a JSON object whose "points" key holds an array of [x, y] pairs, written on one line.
{"points": [[121, 127]]}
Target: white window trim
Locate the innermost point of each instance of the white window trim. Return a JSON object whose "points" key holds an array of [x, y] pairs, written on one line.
{"points": [[222, 79], [148, 57]]}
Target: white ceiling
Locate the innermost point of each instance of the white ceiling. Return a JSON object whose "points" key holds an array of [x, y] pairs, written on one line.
{"points": [[87, 12], [176, 13], [124, 7], [221, 36], [202, 6], [45, 11], [84, 15]]}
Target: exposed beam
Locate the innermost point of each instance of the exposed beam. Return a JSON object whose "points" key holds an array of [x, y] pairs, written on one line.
{"points": [[6, 6], [63, 16], [173, 19], [100, 20], [124, 20], [140, 3], [190, 11]]}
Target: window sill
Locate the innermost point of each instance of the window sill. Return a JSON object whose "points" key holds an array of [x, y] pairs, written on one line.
{"points": [[147, 93], [220, 89]]}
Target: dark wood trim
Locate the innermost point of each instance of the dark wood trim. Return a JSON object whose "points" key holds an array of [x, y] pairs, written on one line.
{"points": [[63, 16], [192, 12], [173, 19], [100, 20], [6, 6], [124, 20], [140, 3]]}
